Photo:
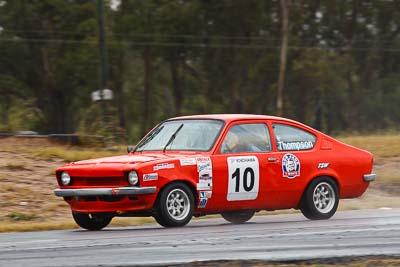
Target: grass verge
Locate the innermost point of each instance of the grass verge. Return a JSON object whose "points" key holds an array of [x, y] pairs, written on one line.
{"points": [[382, 146], [35, 226], [72, 153], [27, 226]]}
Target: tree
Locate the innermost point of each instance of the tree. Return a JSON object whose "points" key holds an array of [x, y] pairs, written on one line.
{"points": [[338, 70], [55, 66]]}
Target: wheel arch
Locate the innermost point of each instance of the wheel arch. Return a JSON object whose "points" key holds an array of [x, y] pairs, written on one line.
{"points": [[331, 177], [186, 182]]}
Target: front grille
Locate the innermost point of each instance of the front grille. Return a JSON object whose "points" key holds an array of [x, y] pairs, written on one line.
{"points": [[99, 181]]}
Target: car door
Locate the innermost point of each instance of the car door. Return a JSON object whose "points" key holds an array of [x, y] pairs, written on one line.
{"points": [[242, 165]]}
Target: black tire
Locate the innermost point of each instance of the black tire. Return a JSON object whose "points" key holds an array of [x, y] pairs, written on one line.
{"points": [[90, 221], [175, 205], [238, 217], [321, 199]]}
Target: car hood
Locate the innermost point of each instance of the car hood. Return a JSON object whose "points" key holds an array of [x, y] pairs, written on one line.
{"points": [[124, 159]]}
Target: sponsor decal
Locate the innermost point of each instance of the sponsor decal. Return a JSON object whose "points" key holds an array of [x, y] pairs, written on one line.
{"points": [[205, 182], [238, 160], [163, 166], [290, 166], [203, 202], [205, 177], [203, 198], [205, 194], [302, 145], [188, 161], [323, 165], [203, 159], [150, 176], [204, 168], [204, 164]]}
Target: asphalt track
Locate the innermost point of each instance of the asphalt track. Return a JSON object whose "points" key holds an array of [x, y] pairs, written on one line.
{"points": [[273, 237]]}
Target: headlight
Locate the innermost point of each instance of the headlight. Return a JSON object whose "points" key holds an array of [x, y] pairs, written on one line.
{"points": [[133, 178], [65, 178]]}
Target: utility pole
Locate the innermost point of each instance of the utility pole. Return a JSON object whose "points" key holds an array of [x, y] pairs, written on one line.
{"points": [[103, 57], [283, 57]]}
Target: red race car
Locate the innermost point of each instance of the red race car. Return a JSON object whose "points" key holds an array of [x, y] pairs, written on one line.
{"points": [[233, 165]]}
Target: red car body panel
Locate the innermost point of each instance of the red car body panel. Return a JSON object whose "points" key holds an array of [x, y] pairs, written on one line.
{"points": [[328, 157]]}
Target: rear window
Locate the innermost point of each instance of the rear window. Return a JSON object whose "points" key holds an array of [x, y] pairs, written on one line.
{"points": [[292, 138]]}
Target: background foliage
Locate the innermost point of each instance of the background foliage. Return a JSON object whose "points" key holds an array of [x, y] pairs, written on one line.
{"points": [[176, 57]]}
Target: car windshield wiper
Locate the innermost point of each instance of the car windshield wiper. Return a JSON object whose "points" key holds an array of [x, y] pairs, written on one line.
{"points": [[148, 139], [173, 137]]}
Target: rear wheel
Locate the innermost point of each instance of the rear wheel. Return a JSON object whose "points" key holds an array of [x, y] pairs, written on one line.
{"points": [[91, 221], [238, 217], [321, 199], [175, 205]]}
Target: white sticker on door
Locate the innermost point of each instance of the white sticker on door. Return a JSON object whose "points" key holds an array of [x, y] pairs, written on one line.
{"points": [[243, 179]]}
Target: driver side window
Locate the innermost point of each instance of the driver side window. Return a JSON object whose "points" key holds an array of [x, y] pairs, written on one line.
{"points": [[252, 137]]}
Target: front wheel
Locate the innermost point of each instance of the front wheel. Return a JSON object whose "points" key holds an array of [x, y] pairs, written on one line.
{"points": [[238, 217], [175, 205], [91, 221], [321, 199]]}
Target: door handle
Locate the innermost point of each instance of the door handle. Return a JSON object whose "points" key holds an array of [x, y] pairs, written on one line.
{"points": [[272, 159]]}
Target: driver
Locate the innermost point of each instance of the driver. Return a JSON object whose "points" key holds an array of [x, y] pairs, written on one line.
{"points": [[237, 142], [230, 143]]}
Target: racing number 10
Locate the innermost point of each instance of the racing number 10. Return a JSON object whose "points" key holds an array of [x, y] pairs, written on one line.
{"points": [[236, 175], [243, 182]]}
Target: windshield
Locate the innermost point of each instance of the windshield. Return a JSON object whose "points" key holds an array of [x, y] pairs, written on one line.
{"points": [[193, 135]]}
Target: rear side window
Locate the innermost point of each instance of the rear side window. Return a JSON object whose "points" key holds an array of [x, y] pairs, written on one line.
{"points": [[292, 138]]}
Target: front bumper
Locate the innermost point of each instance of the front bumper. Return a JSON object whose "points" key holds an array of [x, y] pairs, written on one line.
{"points": [[369, 177], [119, 191]]}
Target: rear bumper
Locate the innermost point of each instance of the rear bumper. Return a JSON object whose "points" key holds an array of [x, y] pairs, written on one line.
{"points": [[119, 191], [369, 177]]}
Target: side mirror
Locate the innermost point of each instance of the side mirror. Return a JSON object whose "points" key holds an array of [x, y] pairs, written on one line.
{"points": [[130, 149]]}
